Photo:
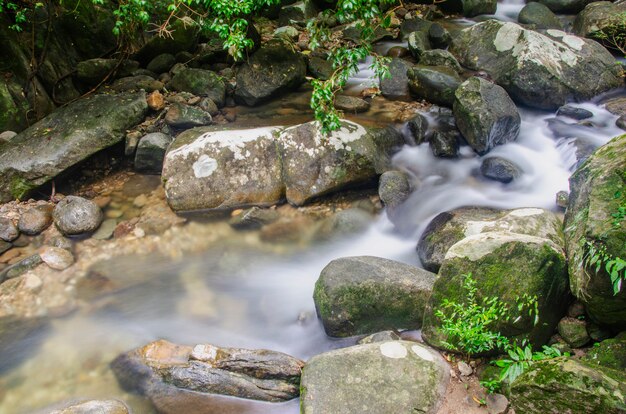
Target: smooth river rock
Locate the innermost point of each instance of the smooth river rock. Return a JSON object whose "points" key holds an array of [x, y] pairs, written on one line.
{"points": [[76, 215]]}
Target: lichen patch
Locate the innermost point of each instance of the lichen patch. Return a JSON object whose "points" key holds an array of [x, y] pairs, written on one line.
{"points": [[393, 350]]}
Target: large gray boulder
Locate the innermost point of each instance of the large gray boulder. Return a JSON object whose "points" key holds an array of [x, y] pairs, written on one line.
{"points": [[396, 86], [570, 386], [539, 16], [210, 167], [597, 16], [597, 192], [435, 84], [273, 69], [177, 377], [539, 70], [366, 294], [386, 377], [485, 114], [65, 138]]}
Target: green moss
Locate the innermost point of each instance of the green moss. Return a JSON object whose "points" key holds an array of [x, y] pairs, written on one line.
{"points": [[20, 187]]}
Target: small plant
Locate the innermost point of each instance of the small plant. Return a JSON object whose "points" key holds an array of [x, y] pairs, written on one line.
{"points": [[520, 358], [597, 257]]}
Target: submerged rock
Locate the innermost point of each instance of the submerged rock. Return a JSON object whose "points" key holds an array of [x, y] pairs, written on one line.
{"points": [[539, 70], [273, 69], [162, 369], [76, 215], [566, 385], [56, 257], [387, 377], [485, 114], [365, 294], [94, 407], [65, 138], [597, 190]]}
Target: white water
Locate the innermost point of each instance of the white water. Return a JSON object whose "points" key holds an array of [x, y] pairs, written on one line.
{"points": [[508, 10]]}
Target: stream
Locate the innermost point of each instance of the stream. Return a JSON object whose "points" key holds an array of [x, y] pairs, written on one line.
{"points": [[244, 296]]}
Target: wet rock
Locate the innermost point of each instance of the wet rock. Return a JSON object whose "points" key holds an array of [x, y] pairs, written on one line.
{"points": [[450, 227], [610, 353], [361, 295], [621, 122], [8, 230], [184, 116], [94, 407], [444, 144], [397, 52], [349, 379], [566, 385], [162, 368], [574, 112], [394, 188], [207, 105], [500, 169], [56, 257], [253, 218], [61, 242], [596, 16], [351, 156], [200, 82], [485, 114], [384, 336], [36, 219], [440, 57], [418, 43], [539, 16], [508, 266], [439, 36], [351, 104], [562, 199], [21, 267], [589, 218], [4, 246], [93, 71], [155, 101], [272, 70], [320, 68], [418, 126], [415, 24], [64, 138], [161, 63], [539, 70], [151, 152], [396, 86], [76, 215], [435, 84], [343, 224], [574, 332]]}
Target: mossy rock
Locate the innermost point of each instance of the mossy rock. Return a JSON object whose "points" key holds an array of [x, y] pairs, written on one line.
{"points": [[365, 294], [200, 82], [610, 353], [568, 386], [12, 112], [598, 189], [506, 266]]}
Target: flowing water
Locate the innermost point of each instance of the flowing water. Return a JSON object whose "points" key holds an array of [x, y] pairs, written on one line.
{"points": [[245, 297]]}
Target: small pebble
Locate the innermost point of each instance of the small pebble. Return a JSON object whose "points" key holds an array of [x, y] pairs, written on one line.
{"points": [[35, 220], [106, 229], [56, 258], [464, 369]]}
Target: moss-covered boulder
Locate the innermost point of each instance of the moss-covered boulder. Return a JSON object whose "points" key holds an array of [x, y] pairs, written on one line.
{"points": [[485, 114], [610, 353], [569, 386], [200, 82], [316, 165], [387, 377], [539, 70], [450, 227], [597, 16], [539, 16], [65, 138], [597, 191], [272, 70], [507, 266], [435, 84], [365, 294]]}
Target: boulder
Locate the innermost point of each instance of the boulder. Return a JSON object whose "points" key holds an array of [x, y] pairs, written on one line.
{"points": [[387, 377], [168, 373], [135, 83], [151, 152], [183, 37], [320, 68], [365, 294], [445, 144], [440, 57], [450, 227], [597, 16], [435, 84], [65, 138], [469, 8], [573, 112], [394, 188], [13, 110], [418, 43], [439, 36], [539, 16], [212, 167], [161, 63], [200, 82], [93, 71], [508, 266], [485, 114], [396, 86], [539, 70], [565, 6], [316, 165], [500, 169], [610, 353], [415, 24], [273, 69], [566, 385], [297, 13], [418, 127], [186, 116], [351, 104], [94, 407], [76, 215], [597, 192], [573, 331]]}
